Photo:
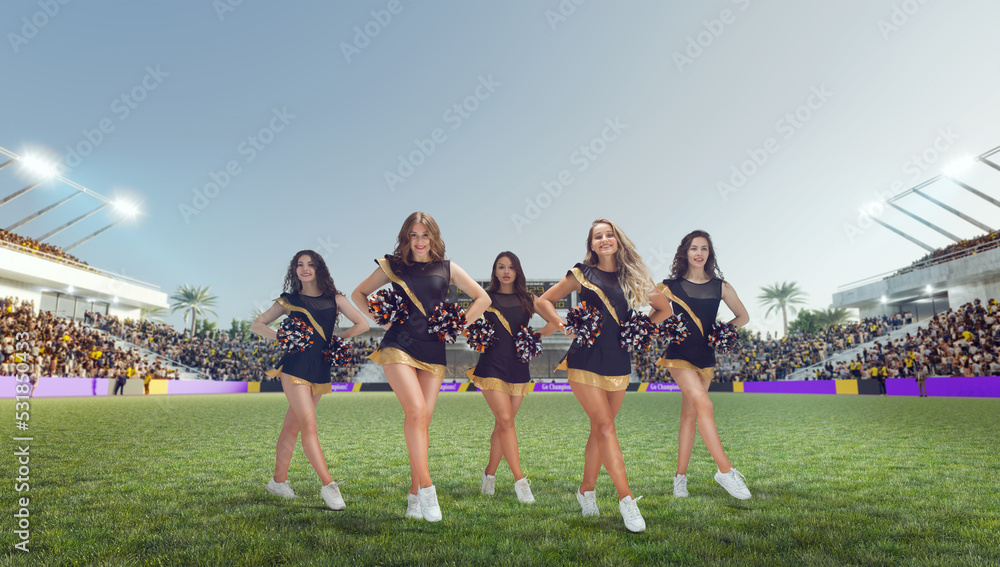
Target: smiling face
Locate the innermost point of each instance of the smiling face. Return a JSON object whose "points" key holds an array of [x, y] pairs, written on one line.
{"points": [[504, 271], [603, 241], [420, 242], [698, 253], [305, 270]]}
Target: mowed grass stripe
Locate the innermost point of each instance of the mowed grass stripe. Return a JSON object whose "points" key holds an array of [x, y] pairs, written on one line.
{"points": [[837, 480]]}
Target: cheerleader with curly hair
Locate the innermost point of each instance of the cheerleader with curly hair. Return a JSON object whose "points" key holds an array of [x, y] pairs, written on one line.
{"points": [[312, 302]]}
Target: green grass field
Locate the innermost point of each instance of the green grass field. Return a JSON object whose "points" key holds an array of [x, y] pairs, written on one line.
{"points": [[837, 480]]}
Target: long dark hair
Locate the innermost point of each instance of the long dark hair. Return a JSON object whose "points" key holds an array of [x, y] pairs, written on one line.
{"points": [[680, 266], [520, 284], [323, 278]]}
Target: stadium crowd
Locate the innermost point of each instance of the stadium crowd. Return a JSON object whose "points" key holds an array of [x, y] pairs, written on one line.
{"points": [[955, 251], [62, 347], [34, 246]]}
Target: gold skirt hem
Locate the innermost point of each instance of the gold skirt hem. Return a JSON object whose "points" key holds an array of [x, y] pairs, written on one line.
{"points": [[317, 389], [500, 385], [396, 356], [706, 374]]}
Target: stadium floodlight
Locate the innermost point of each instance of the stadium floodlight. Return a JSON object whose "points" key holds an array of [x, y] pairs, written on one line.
{"points": [[885, 299], [929, 288], [127, 209], [70, 289], [39, 167]]}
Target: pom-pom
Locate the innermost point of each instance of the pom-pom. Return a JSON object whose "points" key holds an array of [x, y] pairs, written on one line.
{"points": [[638, 332], [673, 331], [338, 351], [447, 321], [527, 344], [388, 306], [295, 335], [724, 337], [585, 323], [481, 335]]}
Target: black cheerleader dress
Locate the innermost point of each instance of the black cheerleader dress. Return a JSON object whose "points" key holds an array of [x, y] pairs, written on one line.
{"points": [[499, 367], [309, 366], [410, 342], [605, 364], [698, 306]]}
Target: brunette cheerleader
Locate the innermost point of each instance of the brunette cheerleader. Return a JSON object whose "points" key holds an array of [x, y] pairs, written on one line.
{"points": [[412, 357], [312, 302]]}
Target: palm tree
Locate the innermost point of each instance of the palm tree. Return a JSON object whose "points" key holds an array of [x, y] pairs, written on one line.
{"points": [[781, 296], [837, 316], [154, 314], [195, 300]]}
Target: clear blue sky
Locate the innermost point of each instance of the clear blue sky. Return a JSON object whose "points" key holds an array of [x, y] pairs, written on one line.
{"points": [[643, 108]]}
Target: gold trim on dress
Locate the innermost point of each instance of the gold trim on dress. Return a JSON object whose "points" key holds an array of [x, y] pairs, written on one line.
{"points": [[287, 305], [705, 373], [395, 356], [316, 388], [670, 295], [500, 385], [384, 264], [600, 293], [503, 320], [607, 383]]}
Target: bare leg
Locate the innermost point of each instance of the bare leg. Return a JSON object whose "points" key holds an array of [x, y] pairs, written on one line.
{"points": [[602, 407], [686, 434], [415, 395], [696, 390], [504, 407], [303, 404], [286, 444]]}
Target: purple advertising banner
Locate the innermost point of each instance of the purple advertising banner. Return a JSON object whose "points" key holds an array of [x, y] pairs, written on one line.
{"points": [[791, 387], [205, 387], [552, 387], [962, 386], [450, 386], [53, 387], [341, 386], [663, 387]]}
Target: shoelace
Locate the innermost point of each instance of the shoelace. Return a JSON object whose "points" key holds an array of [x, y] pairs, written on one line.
{"points": [[432, 500], [632, 509]]}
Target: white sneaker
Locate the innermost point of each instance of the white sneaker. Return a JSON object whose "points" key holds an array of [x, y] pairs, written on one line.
{"points": [[331, 494], [523, 490], [630, 513], [281, 489], [413, 507], [489, 484], [588, 501], [733, 482], [681, 485], [429, 504]]}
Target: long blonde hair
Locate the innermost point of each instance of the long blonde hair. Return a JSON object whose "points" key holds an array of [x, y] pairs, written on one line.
{"points": [[633, 276], [403, 251]]}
